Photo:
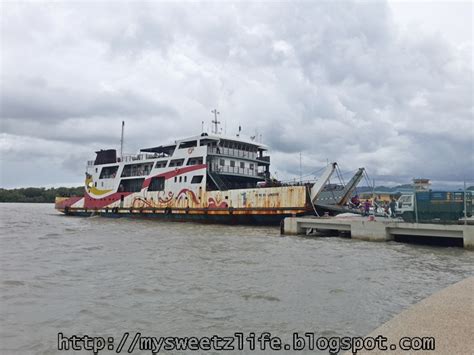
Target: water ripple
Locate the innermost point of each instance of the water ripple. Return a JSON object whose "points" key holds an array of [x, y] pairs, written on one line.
{"points": [[107, 276]]}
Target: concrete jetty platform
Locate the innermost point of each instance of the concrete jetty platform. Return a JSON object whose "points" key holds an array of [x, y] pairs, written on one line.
{"points": [[378, 229], [447, 316]]}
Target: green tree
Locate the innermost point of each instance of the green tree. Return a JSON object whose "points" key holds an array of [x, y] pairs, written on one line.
{"points": [[38, 194]]}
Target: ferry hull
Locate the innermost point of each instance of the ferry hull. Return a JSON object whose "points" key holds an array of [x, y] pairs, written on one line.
{"points": [[254, 206], [230, 219]]}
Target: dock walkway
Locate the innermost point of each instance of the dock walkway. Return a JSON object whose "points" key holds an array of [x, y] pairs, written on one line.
{"points": [[447, 316], [379, 229]]}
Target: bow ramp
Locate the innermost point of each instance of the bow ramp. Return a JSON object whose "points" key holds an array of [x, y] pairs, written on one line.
{"points": [[319, 184], [344, 196]]}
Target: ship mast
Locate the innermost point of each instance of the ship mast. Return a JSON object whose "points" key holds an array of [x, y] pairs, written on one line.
{"points": [[215, 121], [121, 141]]}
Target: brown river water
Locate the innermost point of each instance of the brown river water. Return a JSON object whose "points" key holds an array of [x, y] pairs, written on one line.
{"points": [[104, 277]]}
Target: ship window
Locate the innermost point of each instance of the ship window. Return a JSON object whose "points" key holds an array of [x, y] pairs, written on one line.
{"points": [[161, 164], [95, 184], [196, 179], [251, 166], [207, 142], [136, 169], [242, 164], [157, 184], [176, 162], [175, 179], [185, 178], [195, 161], [232, 163], [131, 185], [188, 144], [180, 178], [221, 162], [108, 172]]}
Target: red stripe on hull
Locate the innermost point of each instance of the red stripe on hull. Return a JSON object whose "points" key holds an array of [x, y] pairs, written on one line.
{"points": [[172, 173], [90, 202], [68, 203]]}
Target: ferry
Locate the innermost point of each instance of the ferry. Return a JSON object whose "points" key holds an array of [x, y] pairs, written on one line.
{"points": [[208, 178]]}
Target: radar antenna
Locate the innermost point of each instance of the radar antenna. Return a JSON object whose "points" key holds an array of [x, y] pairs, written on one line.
{"points": [[215, 121]]}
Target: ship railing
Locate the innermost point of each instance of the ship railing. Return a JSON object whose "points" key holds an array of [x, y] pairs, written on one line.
{"points": [[232, 152], [297, 183], [135, 172], [129, 158], [108, 176], [234, 170], [132, 157]]}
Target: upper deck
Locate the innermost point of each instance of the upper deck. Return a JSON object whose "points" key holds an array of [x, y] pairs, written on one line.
{"points": [[228, 156]]}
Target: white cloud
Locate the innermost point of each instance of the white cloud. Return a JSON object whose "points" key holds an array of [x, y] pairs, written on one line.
{"points": [[354, 82]]}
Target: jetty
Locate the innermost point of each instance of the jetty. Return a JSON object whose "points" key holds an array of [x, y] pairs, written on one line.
{"points": [[379, 229], [445, 316]]}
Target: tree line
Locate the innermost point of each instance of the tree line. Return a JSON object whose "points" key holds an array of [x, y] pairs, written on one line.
{"points": [[38, 194]]}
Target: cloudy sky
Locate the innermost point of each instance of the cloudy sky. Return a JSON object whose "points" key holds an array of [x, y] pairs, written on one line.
{"points": [[384, 85]]}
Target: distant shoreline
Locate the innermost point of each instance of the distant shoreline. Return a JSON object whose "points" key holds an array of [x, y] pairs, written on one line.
{"points": [[38, 194]]}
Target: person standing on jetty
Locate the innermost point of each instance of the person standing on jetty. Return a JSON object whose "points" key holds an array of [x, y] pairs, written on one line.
{"points": [[393, 206], [366, 208]]}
